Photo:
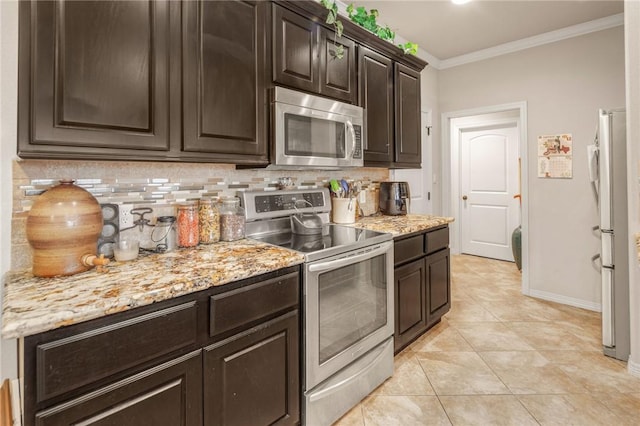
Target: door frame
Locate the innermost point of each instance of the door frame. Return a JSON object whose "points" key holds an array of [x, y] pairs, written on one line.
{"points": [[451, 171]]}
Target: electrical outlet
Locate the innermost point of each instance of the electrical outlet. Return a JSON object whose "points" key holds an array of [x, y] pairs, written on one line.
{"points": [[126, 217]]}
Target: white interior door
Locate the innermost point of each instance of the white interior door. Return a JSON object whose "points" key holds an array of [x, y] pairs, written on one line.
{"points": [[488, 182]]}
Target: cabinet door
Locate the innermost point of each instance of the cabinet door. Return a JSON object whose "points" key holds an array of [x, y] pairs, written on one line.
{"points": [[252, 378], [338, 75], [93, 79], [169, 394], [410, 303], [295, 56], [438, 285], [376, 97], [224, 67], [407, 113]]}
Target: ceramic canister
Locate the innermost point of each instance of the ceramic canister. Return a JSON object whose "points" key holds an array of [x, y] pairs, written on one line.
{"points": [[63, 226]]}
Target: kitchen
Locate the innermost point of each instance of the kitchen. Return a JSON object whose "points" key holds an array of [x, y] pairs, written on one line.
{"points": [[438, 84]]}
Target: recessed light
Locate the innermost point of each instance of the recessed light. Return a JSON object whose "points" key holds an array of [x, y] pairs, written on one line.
{"points": [[460, 1]]}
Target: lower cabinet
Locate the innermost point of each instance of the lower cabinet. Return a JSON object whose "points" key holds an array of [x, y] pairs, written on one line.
{"points": [[169, 394], [437, 280], [229, 355], [422, 284], [252, 378], [411, 302]]}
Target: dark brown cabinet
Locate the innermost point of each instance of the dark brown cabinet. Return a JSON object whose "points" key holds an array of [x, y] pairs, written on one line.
{"points": [[376, 97], [422, 284], [411, 302], [390, 95], [252, 377], [228, 355], [144, 80], [304, 57], [408, 150], [437, 270], [94, 78], [223, 79], [166, 395]]}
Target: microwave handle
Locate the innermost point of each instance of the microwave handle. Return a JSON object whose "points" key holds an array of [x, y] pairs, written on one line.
{"points": [[353, 138]]}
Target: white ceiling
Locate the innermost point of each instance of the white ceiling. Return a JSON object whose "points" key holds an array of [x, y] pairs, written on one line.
{"points": [[446, 30]]}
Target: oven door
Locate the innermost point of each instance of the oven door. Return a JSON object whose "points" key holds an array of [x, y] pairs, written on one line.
{"points": [[348, 309]]}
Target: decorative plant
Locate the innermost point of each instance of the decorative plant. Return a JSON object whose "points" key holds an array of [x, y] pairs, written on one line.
{"points": [[368, 21], [332, 19]]}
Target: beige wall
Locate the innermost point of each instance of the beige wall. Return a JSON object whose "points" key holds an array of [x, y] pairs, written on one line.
{"points": [[564, 84], [429, 99], [632, 41]]}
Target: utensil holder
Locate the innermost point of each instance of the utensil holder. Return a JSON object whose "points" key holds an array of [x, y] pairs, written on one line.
{"points": [[343, 210]]}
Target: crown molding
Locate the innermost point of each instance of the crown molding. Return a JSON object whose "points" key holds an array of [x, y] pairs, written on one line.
{"points": [[529, 42]]}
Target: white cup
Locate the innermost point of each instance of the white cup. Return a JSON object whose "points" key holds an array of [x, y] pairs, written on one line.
{"points": [[343, 210], [126, 249]]}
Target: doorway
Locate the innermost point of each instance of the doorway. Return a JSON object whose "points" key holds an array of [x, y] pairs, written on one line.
{"points": [[484, 167], [489, 176]]}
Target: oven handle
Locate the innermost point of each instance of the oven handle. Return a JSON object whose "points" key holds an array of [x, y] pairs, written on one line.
{"points": [[344, 261]]}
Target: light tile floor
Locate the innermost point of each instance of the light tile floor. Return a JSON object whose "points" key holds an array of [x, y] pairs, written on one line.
{"points": [[501, 358]]}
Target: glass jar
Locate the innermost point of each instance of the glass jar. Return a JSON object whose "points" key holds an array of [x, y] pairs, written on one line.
{"points": [[208, 221], [164, 234], [188, 233], [231, 220]]}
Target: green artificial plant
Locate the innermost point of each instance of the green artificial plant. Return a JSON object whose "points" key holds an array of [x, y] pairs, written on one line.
{"points": [[367, 20], [332, 19]]}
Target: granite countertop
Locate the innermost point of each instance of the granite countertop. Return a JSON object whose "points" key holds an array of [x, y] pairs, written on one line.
{"points": [[401, 225], [33, 305]]}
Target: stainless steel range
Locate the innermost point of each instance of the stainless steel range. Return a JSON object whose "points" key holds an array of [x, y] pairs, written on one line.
{"points": [[347, 299]]}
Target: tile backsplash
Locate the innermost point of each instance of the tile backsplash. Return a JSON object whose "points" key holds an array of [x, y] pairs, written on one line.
{"points": [[156, 185]]}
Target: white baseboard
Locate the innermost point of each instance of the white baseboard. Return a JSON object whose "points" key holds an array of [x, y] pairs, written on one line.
{"points": [[633, 368], [565, 300]]}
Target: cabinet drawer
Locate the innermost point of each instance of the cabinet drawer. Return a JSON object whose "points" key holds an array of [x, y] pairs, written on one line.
{"points": [[234, 309], [408, 249], [66, 364], [436, 240]]}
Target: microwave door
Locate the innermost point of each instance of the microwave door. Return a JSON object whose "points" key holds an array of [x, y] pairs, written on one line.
{"points": [[308, 137]]}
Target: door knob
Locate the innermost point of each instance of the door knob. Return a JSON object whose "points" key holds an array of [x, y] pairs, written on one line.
{"points": [[464, 197]]}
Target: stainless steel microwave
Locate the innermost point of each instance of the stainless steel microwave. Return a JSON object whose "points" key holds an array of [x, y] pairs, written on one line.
{"points": [[311, 131]]}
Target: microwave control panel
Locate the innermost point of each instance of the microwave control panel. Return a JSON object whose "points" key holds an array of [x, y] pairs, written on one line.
{"points": [[357, 152]]}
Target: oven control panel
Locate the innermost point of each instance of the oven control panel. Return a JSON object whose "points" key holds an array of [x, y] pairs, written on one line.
{"points": [[283, 202], [261, 205]]}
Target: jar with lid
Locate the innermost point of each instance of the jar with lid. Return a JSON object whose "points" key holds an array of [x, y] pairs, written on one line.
{"points": [[188, 232], [164, 234], [208, 221], [232, 220]]}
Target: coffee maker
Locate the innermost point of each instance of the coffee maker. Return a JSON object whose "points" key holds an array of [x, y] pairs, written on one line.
{"points": [[394, 198]]}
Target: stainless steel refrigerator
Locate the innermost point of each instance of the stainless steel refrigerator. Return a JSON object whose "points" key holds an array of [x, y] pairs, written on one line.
{"points": [[608, 161]]}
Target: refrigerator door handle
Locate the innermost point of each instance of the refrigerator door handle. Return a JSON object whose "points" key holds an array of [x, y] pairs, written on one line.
{"points": [[608, 324], [606, 251]]}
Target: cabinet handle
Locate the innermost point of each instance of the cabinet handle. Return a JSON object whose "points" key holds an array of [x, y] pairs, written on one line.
{"points": [[464, 197]]}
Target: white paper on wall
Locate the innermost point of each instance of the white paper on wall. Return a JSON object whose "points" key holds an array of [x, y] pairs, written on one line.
{"points": [[555, 156]]}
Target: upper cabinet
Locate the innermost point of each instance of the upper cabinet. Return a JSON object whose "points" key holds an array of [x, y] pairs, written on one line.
{"points": [[129, 80], [407, 117], [167, 80], [223, 79], [94, 78], [304, 57], [376, 97]]}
